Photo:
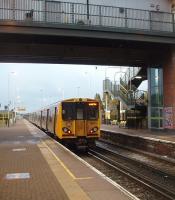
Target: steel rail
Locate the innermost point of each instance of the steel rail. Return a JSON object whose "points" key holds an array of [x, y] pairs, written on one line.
{"points": [[149, 183], [164, 173]]}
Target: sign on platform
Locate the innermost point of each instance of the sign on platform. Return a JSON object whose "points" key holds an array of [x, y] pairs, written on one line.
{"points": [[21, 109]]}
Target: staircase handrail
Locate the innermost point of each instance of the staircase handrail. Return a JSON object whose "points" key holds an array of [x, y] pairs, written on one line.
{"points": [[129, 74]]}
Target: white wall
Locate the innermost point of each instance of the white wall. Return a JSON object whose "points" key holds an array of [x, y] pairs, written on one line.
{"points": [[164, 5]]}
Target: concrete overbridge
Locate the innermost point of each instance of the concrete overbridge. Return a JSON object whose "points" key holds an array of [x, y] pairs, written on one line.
{"points": [[54, 34], [79, 44]]}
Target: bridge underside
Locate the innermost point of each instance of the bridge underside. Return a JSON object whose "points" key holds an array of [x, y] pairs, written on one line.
{"points": [[34, 45]]}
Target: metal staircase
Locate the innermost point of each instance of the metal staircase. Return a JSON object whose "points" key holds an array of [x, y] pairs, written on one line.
{"points": [[125, 91]]}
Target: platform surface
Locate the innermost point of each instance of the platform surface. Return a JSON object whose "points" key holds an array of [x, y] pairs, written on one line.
{"points": [[167, 136], [34, 166]]}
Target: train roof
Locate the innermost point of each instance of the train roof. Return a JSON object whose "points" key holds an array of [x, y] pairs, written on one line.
{"points": [[66, 100], [80, 100]]}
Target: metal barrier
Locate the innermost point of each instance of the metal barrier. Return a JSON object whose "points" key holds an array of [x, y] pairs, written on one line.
{"points": [[7, 118], [3, 119], [56, 12], [129, 97]]}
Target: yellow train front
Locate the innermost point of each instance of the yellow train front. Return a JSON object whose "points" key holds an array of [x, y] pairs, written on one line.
{"points": [[73, 121], [78, 122]]}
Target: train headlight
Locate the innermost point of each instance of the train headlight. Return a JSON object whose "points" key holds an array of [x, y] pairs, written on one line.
{"points": [[93, 130], [66, 130]]}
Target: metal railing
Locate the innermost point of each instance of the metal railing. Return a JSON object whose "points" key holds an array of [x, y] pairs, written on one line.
{"points": [[128, 76], [129, 97], [56, 12]]}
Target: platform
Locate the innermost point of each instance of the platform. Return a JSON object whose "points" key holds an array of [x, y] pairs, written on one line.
{"points": [[162, 135], [34, 166], [159, 143]]}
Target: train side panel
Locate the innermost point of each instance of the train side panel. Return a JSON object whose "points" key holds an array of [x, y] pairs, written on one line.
{"points": [[51, 119], [61, 124], [43, 119]]}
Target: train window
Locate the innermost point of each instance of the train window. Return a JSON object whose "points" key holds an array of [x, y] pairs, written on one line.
{"points": [[79, 113], [68, 111], [92, 111]]}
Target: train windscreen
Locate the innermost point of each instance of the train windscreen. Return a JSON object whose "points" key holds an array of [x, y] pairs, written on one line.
{"points": [[79, 111], [68, 111], [92, 111]]}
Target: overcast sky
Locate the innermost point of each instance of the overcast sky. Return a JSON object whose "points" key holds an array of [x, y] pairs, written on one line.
{"points": [[36, 85]]}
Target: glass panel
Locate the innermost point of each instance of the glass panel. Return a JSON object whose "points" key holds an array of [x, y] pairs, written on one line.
{"points": [[161, 112], [155, 123], [92, 111], [161, 123], [68, 111], [79, 113], [156, 97], [154, 112]]}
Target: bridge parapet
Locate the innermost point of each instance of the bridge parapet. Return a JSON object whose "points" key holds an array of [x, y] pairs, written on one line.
{"points": [[56, 12]]}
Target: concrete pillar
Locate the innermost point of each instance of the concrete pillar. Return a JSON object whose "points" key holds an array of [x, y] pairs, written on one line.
{"points": [[169, 90]]}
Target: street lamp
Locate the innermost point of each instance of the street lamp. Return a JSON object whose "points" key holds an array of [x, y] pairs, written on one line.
{"points": [[9, 102]]}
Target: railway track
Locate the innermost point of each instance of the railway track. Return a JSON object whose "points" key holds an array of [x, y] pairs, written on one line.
{"points": [[158, 165], [139, 184]]}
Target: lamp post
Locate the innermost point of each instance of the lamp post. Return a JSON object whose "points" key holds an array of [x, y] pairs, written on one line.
{"points": [[9, 102]]}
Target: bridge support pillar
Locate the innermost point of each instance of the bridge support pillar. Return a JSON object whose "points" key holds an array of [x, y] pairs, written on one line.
{"points": [[169, 90]]}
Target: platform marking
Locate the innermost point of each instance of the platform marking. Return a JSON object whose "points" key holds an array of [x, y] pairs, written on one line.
{"points": [[88, 165], [63, 165], [12, 176], [22, 149], [100, 173]]}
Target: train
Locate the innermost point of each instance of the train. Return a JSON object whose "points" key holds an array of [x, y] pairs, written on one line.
{"points": [[74, 122]]}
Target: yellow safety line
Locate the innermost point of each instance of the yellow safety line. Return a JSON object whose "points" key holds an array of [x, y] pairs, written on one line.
{"points": [[62, 164], [84, 178]]}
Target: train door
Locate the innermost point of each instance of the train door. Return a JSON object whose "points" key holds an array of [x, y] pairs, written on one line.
{"points": [[47, 119], [80, 119], [55, 118]]}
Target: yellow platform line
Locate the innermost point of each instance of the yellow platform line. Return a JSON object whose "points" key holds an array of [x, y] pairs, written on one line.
{"points": [[63, 165]]}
